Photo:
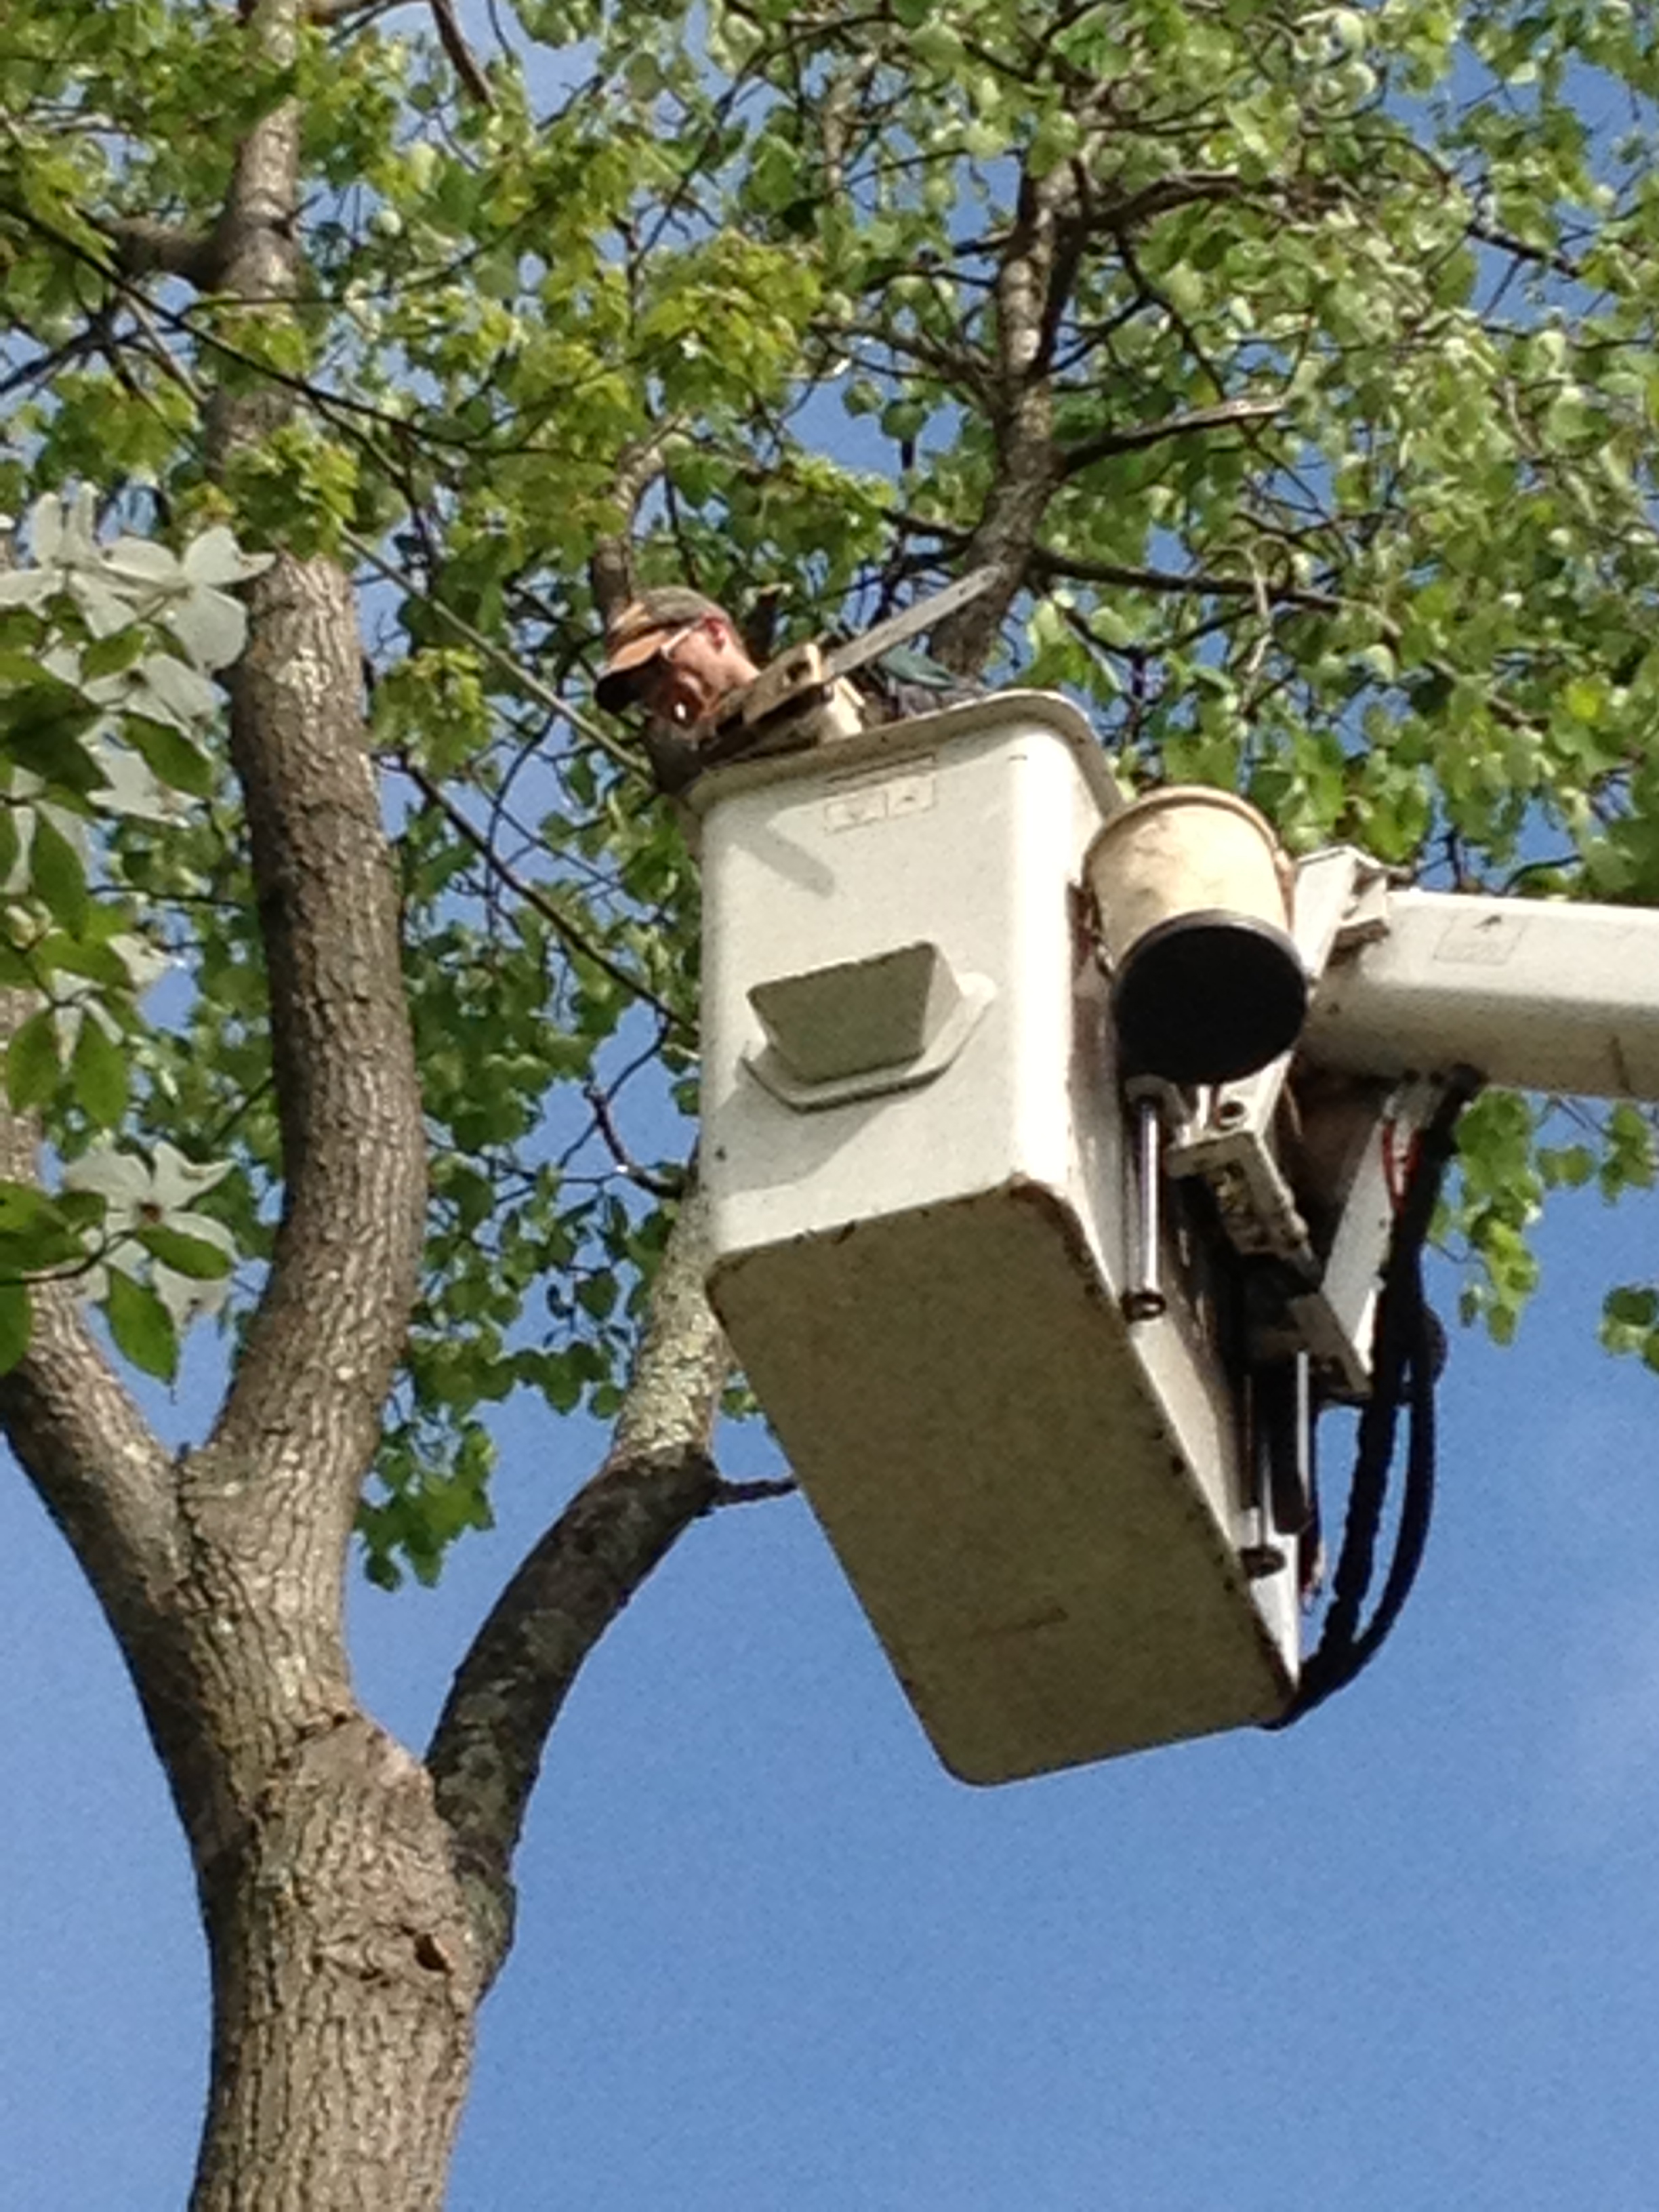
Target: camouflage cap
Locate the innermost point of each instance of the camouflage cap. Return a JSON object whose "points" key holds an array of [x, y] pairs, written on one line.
{"points": [[636, 633]]}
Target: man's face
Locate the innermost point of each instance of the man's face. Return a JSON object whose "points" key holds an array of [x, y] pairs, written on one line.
{"points": [[697, 664]]}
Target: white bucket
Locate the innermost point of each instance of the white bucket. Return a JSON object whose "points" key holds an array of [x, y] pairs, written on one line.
{"points": [[1191, 891]]}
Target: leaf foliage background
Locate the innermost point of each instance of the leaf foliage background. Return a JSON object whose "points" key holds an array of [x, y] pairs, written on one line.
{"points": [[1298, 365]]}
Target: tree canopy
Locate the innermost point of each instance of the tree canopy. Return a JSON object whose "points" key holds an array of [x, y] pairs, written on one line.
{"points": [[1294, 368]]}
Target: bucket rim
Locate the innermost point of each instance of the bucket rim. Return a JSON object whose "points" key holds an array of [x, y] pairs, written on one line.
{"points": [[1182, 794]]}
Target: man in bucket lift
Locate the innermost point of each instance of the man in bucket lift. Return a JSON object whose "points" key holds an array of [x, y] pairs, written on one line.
{"points": [[680, 656]]}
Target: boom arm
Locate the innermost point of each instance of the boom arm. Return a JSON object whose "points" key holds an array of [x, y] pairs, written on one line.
{"points": [[1538, 994]]}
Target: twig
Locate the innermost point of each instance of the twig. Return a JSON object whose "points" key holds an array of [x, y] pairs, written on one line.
{"points": [[532, 686], [1131, 441], [1201, 582], [462, 59], [604, 1123]]}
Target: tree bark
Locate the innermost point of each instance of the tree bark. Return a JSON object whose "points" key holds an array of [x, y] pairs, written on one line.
{"points": [[343, 1989], [1027, 471]]}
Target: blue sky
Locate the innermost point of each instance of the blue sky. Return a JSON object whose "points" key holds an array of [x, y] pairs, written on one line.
{"points": [[771, 1956]]}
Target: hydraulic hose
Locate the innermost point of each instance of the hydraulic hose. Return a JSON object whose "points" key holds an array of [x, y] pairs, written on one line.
{"points": [[1405, 1357]]}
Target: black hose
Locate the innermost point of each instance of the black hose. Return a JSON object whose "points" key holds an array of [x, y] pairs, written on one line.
{"points": [[1405, 1360]]}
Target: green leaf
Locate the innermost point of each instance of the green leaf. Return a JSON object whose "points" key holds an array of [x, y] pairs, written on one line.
{"points": [[169, 755], [109, 656], [36, 1231], [58, 877], [196, 1256], [21, 1206], [597, 1294], [41, 726], [1634, 1306], [98, 1074], [1568, 1166], [32, 1065], [142, 1326], [16, 1324], [37, 705]]}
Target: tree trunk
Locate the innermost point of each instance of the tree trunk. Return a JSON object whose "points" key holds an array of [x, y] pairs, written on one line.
{"points": [[344, 1991]]}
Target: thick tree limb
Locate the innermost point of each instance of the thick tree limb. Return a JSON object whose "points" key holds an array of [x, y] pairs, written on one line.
{"points": [[336, 1305], [337, 1301], [144, 246], [1027, 465], [611, 565], [658, 1477]]}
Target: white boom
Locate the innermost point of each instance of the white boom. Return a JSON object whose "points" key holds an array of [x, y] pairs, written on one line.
{"points": [[1540, 995]]}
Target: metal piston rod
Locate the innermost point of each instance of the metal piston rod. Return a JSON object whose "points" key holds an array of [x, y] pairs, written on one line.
{"points": [[1144, 1299]]}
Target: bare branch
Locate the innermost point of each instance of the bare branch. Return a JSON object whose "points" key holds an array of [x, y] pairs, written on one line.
{"points": [[144, 246], [611, 566], [462, 59], [605, 1122], [1164, 194], [1202, 583], [657, 1479], [753, 1493], [1550, 258], [1136, 436]]}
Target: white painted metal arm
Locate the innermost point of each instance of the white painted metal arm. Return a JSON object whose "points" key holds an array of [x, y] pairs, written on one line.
{"points": [[1536, 994]]}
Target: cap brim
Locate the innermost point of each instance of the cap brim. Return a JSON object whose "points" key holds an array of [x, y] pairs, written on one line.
{"points": [[618, 680]]}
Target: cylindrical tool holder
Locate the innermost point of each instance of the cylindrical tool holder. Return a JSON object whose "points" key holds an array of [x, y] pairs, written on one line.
{"points": [[1189, 886]]}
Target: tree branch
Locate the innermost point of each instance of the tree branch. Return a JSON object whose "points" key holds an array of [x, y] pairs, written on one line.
{"points": [[1165, 194], [307, 1394], [753, 1493], [1133, 440], [611, 565], [144, 246], [101, 1470], [657, 1479], [461, 57], [574, 940], [1027, 471], [1203, 582]]}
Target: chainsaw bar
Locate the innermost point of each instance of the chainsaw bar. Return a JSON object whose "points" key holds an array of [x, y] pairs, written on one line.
{"points": [[859, 652]]}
